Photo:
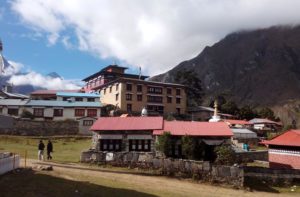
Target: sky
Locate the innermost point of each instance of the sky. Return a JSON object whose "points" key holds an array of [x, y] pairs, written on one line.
{"points": [[77, 38]]}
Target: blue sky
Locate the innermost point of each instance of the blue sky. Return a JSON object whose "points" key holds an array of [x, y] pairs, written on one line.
{"points": [[23, 45], [76, 38]]}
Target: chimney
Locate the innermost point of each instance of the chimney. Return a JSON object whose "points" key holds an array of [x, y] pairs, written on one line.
{"points": [[7, 88]]}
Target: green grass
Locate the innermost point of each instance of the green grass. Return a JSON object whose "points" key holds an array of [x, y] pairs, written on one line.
{"points": [[66, 149]]}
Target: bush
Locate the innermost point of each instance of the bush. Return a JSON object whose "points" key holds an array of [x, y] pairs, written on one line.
{"points": [[225, 155], [188, 146], [164, 143], [27, 114]]}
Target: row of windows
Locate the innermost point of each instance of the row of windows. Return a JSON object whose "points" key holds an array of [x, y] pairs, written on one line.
{"points": [[79, 99], [151, 89], [139, 88], [153, 108], [152, 99], [39, 112], [134, 145]]}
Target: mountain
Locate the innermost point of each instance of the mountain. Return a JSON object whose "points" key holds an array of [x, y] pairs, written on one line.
{"points": [[54, 75], [260, 68], [22, 89]]}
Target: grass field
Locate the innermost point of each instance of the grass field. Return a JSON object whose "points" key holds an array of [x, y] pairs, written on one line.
{"points": [[73, 182], [65, 149]]}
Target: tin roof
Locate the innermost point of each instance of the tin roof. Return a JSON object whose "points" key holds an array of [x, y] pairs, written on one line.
{"points": [[289, 138], [77, 94], [13, 102], [127, 123], [263, 121], [52, 92], [240, 122], [182, 128], [51, 103]]}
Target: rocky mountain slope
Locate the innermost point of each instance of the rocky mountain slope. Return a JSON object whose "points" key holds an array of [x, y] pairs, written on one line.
{"points": [[260, 67]]}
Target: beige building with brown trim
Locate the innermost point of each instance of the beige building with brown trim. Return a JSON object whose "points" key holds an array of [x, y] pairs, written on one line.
{"points": [[132, 95]]}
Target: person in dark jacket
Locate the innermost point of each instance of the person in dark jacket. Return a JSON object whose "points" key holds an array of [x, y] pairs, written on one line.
{"points": [[41, 148], [49, 149]]}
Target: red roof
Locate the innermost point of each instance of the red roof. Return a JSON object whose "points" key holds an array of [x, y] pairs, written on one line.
{"points": [[51, 91], [127, 123], [240, 122], [195, 128], [289, 138]]}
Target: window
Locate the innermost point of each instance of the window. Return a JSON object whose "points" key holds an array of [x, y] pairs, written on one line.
{"points": [[155, 108], [178, 92], [154, 90], [0, 110], [66, 98], [91, 99], [92, 112], [169, 90], [178, 100], [12, 111], [58, 112], [129, 108], [117, 87], [139, 88], [139, 97], [110, 145], [178, 110], [117, 97], [128, 97], [78, 99], [38, 112], [79, 112], [104, 91], [128, 87], [139, 145], [110, 89], [88, 122], [155, 99], [169, 99]]}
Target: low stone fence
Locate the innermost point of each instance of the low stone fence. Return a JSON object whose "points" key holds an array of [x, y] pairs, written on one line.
{"points": [[8, 162], [44, 128], [201, 170], [272, 176], [250, 156]]}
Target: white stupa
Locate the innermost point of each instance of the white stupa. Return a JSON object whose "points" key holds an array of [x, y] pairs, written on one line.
{"points": [[144, 112], [215, 117]]}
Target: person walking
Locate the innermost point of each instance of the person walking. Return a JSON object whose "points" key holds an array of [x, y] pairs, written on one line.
{"points": [[41, 148], [49, 150]]}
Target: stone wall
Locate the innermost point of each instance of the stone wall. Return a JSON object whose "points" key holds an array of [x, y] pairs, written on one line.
{"points": [[165, 166], [249, 156], [41, 128], [272, 176]]}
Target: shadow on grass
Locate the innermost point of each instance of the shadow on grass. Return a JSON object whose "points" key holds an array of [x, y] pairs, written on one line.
{"points": [[27, 183], [255, 184]]}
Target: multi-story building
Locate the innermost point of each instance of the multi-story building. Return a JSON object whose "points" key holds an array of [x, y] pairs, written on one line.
{"points": [[131, 93], [82, 107]]}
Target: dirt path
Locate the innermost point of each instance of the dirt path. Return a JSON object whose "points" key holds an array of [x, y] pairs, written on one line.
{"points": [[160, 186]]}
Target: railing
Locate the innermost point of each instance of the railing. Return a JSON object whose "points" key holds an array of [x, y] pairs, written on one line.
{"points": [[284, 151], [8, 162]]}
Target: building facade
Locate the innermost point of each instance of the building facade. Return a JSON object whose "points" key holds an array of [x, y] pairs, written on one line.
{"points": [[284, 150], [131, 93]]}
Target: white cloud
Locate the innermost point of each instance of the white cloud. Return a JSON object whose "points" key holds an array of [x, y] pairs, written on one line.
{"points": [[38, 80], [157, 34], [16, 77]]}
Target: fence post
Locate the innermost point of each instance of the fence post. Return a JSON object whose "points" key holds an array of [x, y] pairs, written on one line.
{"points": [[14, 161], [25, 157]]}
